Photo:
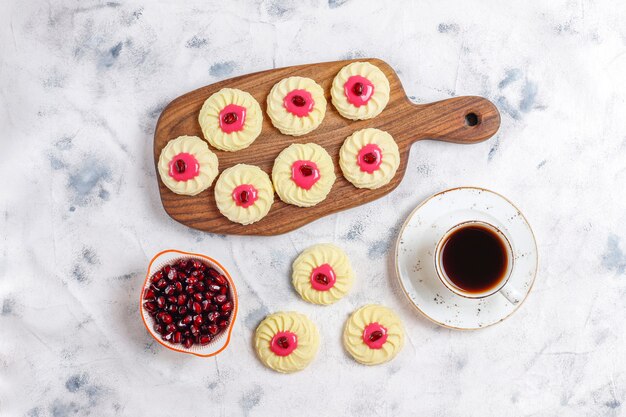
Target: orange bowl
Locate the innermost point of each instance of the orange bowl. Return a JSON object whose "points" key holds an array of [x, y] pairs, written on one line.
{"points": [[220, 342]]}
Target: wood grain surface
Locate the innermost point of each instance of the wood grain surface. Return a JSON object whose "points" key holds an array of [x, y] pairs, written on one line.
{"points": [[464, 120]]}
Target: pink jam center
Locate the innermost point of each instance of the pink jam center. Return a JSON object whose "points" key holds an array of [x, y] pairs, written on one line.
{"points": [[184, 166], [299, 102], [369, 158], [305, 174], [323, 278], [283, 343], [245, 195], [358, 90], [232, 118], [374, 335]]}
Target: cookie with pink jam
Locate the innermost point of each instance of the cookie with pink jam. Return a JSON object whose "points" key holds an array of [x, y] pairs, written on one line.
{"points": [[244, 194], [303, 174], [296, 105], [287, 341], [369, 158], [231, 119], [187, 166], [322, 274], [373, 335], [360, 91]]}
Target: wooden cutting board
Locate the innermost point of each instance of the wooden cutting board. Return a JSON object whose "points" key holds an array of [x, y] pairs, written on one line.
{"points": [[463, 120]]}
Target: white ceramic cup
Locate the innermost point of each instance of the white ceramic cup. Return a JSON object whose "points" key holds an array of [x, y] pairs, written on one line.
{"points": [[510, 293]]}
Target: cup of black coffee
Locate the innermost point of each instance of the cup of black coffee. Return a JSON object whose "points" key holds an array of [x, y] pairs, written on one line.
{"points": [[474, 259]]}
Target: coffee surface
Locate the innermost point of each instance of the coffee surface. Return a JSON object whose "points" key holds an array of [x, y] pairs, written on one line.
{"points": [[474, 258]]}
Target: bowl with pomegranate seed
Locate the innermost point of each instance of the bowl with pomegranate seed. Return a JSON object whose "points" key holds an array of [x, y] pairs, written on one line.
{"points": [[189, 303]]}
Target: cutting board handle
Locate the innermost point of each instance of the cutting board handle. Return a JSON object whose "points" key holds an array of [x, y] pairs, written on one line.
{"points": [[466, 119]]}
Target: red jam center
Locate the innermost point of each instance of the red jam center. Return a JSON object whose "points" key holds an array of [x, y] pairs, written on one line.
{"points": [[323, 278], [245, 195], [184, 166], [299, 102], [369, 158], [358, 90], [283, 343], [305, 174], [232, 118], [374, 335]]}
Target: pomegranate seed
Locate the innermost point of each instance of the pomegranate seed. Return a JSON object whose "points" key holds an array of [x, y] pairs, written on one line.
{"points": [[197, 320], [178, 286], [170, 328], [181, 300], [212, 316], [190, 304], [283, 342], [160, 301], [158, 328], [197, 308], [376, 335], [198, 296], [148, 294], [170, 290], [223, 290], [172, 309], [172, 275], [221, 280], [191, 290], [188, 342], [223, 323], [220, 299], [192, 281], [230, 118], [194, 330], [187, 320], [357, 88], [225, 314], [166, 336], [298, 101], [322, 279], [200, 287], [369, 158], [205, 305], [159, 315], [161, 284], [166, 318], [227, 306], [306, 170], [178, 337], [244, 196], [172, 299], [205, 340], [213, 329], [166, 269], [182, 310], [213, 272], [214, 287]]}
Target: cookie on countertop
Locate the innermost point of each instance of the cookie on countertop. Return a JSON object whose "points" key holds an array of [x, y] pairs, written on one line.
{"points": [[286, 341], [322, 274], [373, 335]]}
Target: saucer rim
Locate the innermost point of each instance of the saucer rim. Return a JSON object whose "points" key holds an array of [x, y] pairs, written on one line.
{"points": [[400, 280]]}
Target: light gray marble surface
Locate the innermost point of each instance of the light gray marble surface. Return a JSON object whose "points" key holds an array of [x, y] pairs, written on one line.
{"points": [[81, 86]]}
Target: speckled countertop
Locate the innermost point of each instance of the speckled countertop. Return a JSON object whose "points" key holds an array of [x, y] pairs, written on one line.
{"points": [[81, 86]]}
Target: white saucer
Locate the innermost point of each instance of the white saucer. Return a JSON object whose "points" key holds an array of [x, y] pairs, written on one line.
{"points": [[416, 243]]}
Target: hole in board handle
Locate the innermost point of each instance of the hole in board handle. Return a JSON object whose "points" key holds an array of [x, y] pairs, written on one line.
{"points": [[471, 119]]}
